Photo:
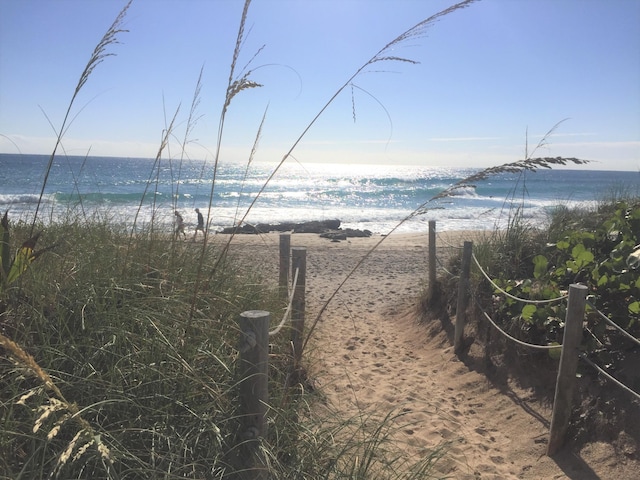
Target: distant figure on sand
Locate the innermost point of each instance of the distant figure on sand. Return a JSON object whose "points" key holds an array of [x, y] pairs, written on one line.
{"points": [[200, 225], [179, 225]]}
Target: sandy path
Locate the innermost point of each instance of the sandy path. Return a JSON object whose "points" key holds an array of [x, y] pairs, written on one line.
{"points": [[369, 354]]}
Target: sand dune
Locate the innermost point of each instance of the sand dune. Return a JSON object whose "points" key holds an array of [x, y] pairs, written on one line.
{"points": [[369, 354]]}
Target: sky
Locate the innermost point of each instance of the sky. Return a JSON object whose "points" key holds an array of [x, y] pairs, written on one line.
{"points": [[484, 86]]}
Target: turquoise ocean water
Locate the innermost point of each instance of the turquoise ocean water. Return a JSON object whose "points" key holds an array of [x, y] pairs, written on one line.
{"points": [[372, 197]]}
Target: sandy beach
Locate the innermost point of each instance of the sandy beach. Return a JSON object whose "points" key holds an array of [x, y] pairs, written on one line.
{"points": [[370, 355]]}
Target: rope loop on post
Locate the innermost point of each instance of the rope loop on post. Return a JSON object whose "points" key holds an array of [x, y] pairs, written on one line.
{"points": [[287, 313], [513, 297]]}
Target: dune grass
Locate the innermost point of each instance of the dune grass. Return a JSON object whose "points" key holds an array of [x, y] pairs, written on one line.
{"points": [[103, 377], [112, 342]]}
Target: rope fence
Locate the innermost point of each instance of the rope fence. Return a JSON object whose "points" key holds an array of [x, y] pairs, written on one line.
{"points": [[614, 324], [509, 337], [513, 297], [570, 348], [255, 333], [584, 357], [287, 313]]}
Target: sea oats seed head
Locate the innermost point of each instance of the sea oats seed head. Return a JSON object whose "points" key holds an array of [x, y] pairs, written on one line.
{"points": [[64, 457], [82, 450], [46, 410], [57, 426], [105, 453], [23, 399]]}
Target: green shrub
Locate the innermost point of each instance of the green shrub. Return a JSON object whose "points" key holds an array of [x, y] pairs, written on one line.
{"points": [[598, 249]]}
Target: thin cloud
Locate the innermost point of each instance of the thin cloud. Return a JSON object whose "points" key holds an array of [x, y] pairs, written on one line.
{"points": [[463, 139], [349, 142], [629, 143], [581, 134]]}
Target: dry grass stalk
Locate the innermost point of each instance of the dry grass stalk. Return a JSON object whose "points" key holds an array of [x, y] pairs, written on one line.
{"points": [[46, 410], [27, 361], [530, 164], [98, 55], [57, 426], [64, 457], [58, 404], [383, 55], [417, 31]]}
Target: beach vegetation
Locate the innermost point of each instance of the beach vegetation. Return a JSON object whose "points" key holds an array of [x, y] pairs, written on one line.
{"points": [[13, 266], [105, 377], [99, 54], [101, 377], [598, 248], [597, 245]]}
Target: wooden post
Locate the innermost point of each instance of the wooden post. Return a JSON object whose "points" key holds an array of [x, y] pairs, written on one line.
{"points": [[566, 380], [432, 258], [463, 296], [299, 263], [285, 247], [254, 391]]}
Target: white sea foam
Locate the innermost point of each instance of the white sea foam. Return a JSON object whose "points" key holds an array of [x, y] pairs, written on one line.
{"points": [[376, 198]]}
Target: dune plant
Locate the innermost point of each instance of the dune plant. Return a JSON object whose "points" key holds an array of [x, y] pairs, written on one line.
{"points": [[597, 249], [384, 55], [12, 267], [115, 346], [242, 81], [99, 54], [593, 245]]}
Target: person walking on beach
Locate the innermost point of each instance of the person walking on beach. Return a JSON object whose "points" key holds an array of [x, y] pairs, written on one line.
{"points": [[179, 224], [200, 225]]}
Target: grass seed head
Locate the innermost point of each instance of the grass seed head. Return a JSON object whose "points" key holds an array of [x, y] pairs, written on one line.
{"points": [[46, 411]]}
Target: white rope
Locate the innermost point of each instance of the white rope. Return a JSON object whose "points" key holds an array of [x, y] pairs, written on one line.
{"points": [[549, 347], [519, 342], [442, 267], [613, 324], [440, 239], [523, 300], [614, 380], [288, 311]]}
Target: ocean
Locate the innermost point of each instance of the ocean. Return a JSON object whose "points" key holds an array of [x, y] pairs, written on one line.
{"points": [[372, 197]]}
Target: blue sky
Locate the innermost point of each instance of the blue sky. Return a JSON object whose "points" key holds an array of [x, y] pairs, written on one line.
{"points": [[492, 80]]}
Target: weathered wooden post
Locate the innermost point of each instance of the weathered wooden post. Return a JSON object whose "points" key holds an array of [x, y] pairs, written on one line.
{"points": [[463, 297], [254, 391], [299, 263], [285, 252], [432, 258], [566, 381]]}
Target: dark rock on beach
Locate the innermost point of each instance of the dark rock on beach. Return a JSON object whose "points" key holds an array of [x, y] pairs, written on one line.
{"points": [[258, 228], [336, 235], [326, 228], [319, 226]]}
